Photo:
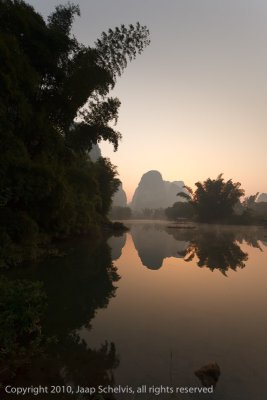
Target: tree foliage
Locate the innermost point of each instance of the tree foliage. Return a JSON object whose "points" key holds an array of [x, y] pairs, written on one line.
{"points": [[120, 44], [54, 106], [250, 201], [254, 210], [214, 199], [119, 212], [180, 210]]}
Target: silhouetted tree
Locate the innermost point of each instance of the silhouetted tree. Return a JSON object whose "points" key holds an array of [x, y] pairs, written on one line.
{"points": [[48, 185], [214, 199], [250, 201]]}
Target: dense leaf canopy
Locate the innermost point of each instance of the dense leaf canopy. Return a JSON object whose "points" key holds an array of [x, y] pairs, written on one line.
{"points": [[54, 106], [214, 199]]}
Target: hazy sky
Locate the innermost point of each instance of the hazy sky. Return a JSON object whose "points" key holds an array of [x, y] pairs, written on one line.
{"points": [[194, 104]]}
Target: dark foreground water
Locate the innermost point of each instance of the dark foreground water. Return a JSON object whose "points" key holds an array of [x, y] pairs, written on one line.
{"points": [[171, 302]]}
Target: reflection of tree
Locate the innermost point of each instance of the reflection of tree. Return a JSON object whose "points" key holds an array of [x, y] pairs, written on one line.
{"points": [[21, 307], [76, 286], [71, 362], [251, 239], [216, 251], [249, 235], [92, 367]]}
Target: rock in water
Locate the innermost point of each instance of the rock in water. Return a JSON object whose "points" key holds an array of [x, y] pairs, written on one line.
{"points": [[209, 374]]}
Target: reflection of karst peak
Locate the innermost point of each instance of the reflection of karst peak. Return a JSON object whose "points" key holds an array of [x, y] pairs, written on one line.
{"points": [[153, 245], [116, 244]]}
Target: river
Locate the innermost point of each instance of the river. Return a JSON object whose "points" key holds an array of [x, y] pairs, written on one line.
{"points": [[157, 305]]}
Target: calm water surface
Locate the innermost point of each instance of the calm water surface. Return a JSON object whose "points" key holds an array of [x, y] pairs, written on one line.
{"points": [[179, 299], [187, 298]]}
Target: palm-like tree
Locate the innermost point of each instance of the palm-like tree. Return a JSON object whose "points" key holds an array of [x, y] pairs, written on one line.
{"points": [[214, 199]]}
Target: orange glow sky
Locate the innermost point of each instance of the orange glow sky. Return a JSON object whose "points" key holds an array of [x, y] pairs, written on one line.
{"points": [[194, 103]]}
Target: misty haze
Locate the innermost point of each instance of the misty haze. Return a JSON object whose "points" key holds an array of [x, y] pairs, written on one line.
{"points": [[133, 200]]}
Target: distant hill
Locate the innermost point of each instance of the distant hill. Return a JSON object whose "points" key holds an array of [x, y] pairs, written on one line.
{"points": [[119, 199], [153, 192], [262, 197], [95, 153]]}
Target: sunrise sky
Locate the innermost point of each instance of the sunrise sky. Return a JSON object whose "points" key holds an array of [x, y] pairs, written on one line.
{"points": [[194, 104]]}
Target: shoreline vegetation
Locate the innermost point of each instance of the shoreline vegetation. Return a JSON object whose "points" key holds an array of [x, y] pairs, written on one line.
{"points": [[54, 106], [215, 201]]}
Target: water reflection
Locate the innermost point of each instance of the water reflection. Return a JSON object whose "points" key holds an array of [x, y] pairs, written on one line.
{"points": [[153, 244], [116, 244], [182, 324], [213, 247], [70, 362], [126, 336], [75, 287], [216, 251], [22, 304]]}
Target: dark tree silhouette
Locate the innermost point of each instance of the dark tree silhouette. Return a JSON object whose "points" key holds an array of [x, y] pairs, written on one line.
{"points": [[214, 199], [48, 185], [40, 313]]}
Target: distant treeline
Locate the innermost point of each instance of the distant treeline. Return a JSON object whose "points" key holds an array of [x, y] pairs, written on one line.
{"points": [[213, 201], [48, 185], [218, 201]]}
